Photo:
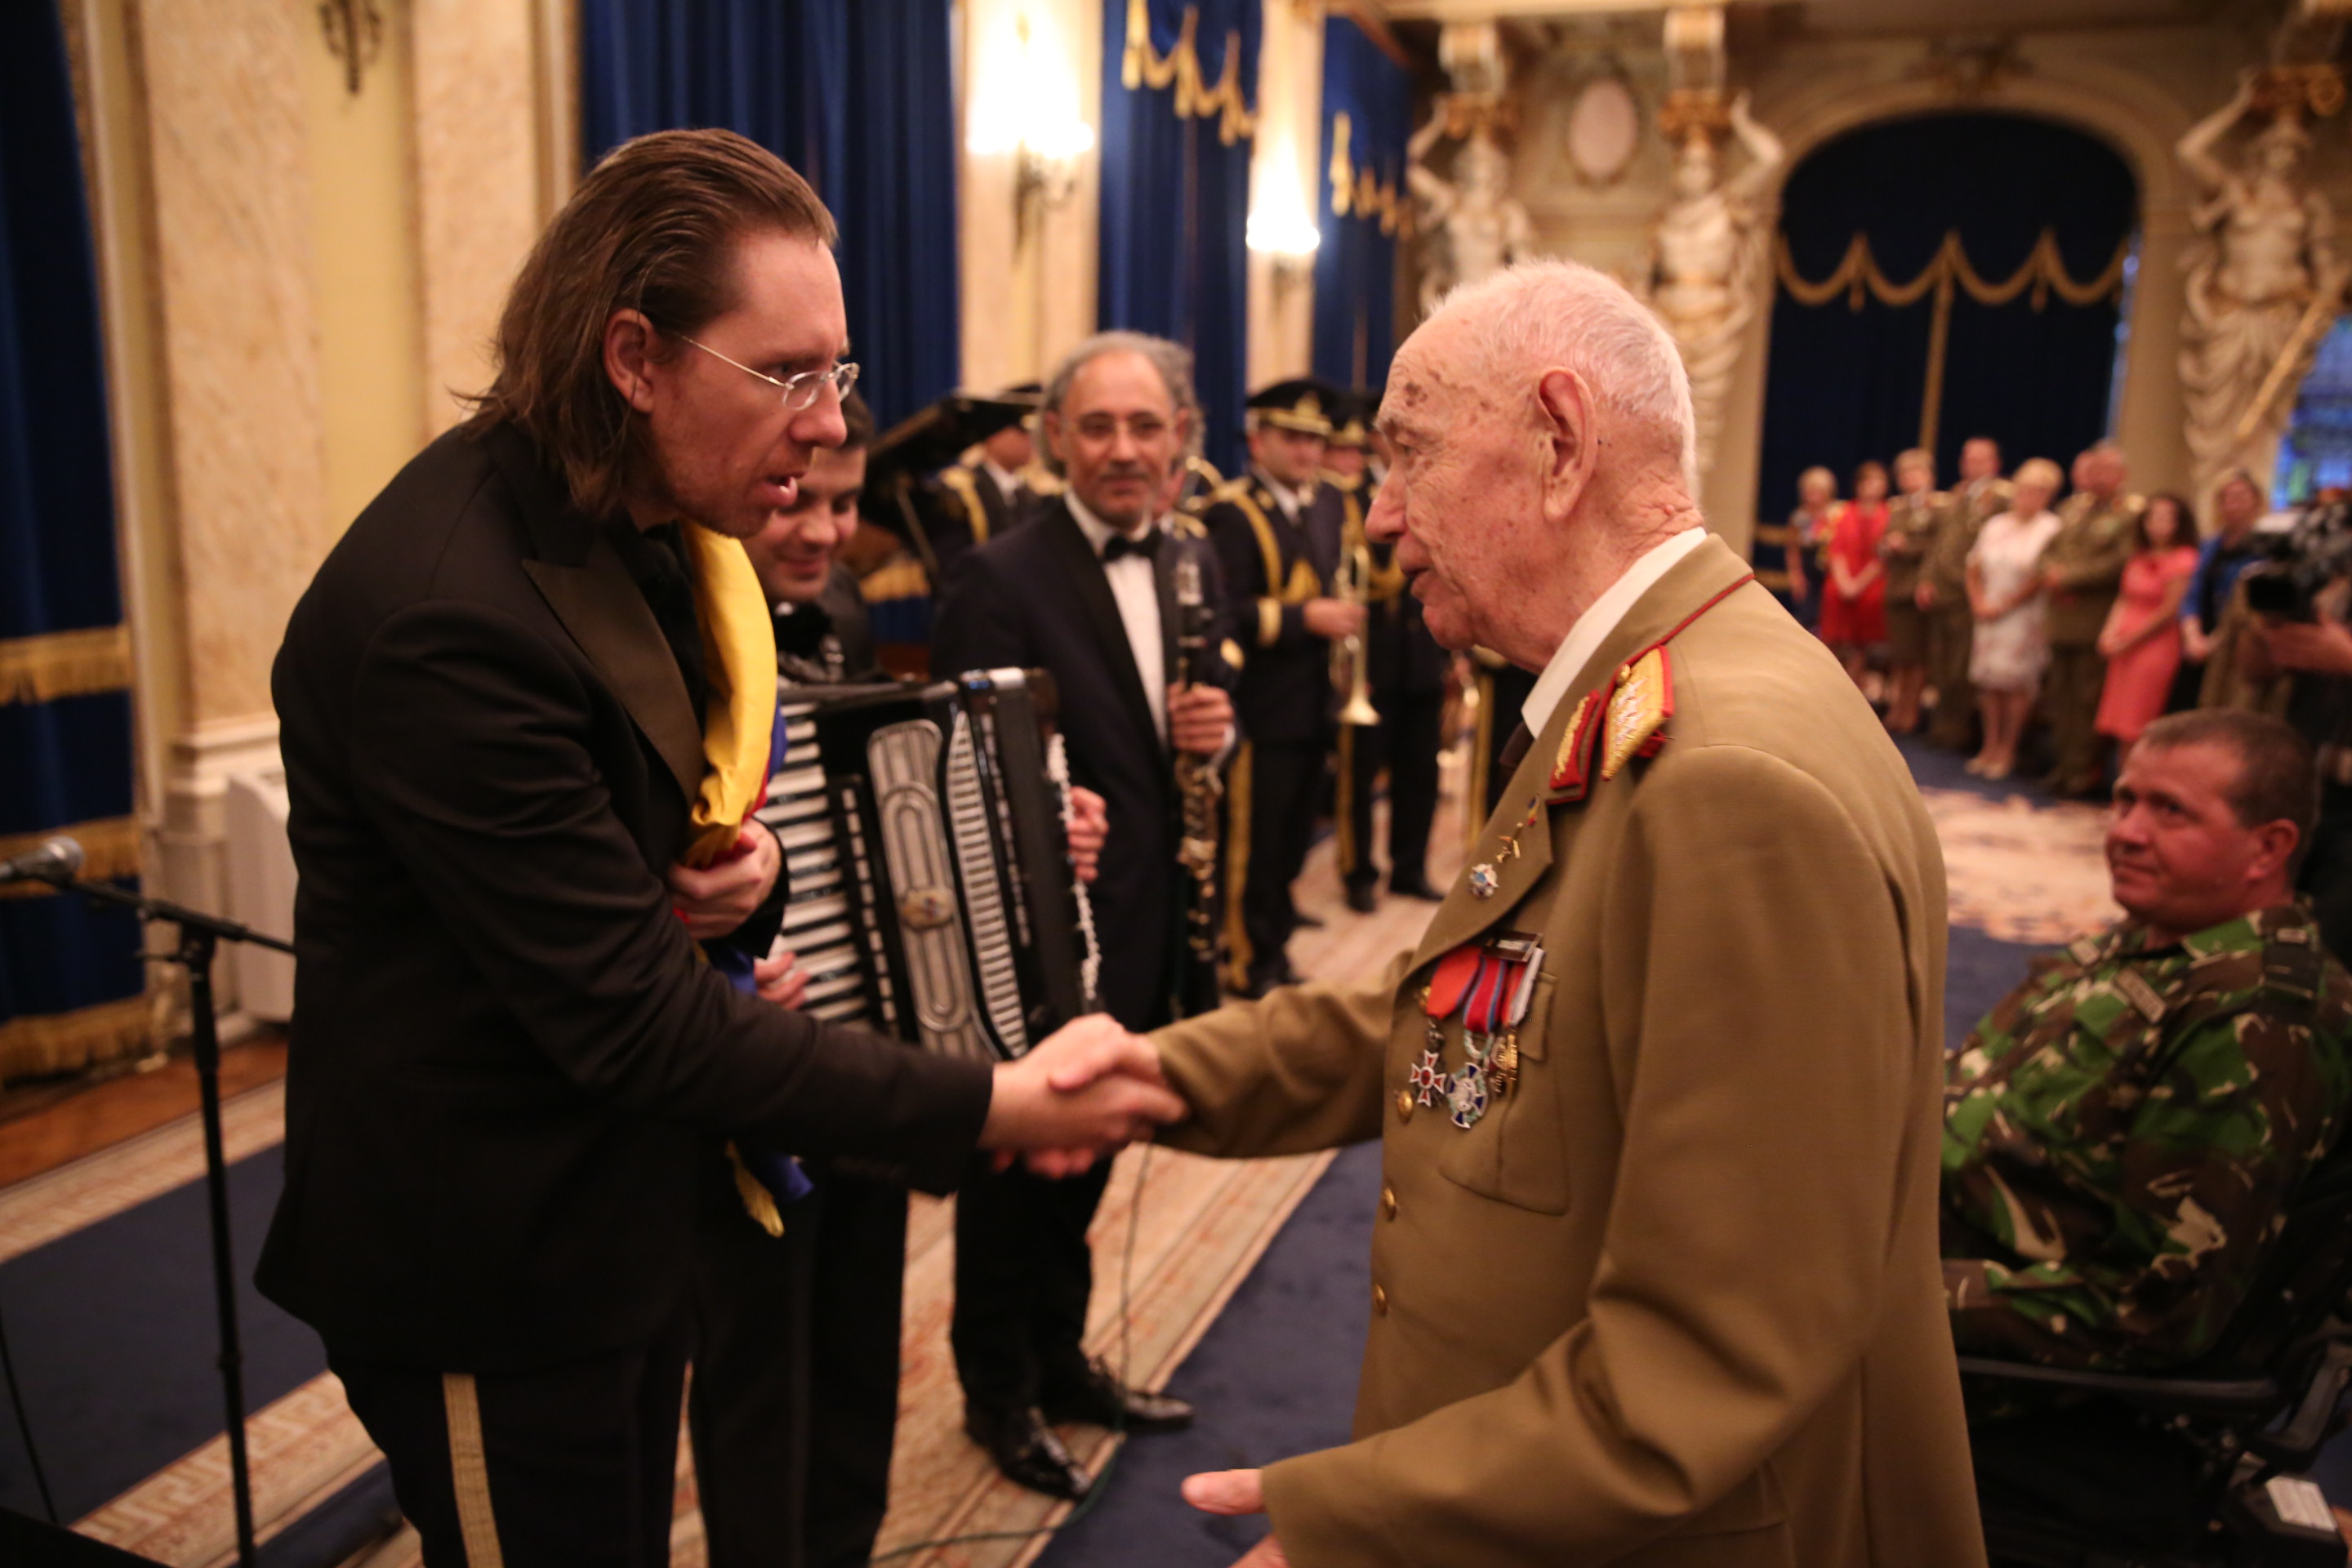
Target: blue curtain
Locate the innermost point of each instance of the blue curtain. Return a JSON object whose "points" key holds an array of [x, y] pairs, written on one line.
{"points": [[1175, 191], [1359, 201], [857, 95], [1844, 384], [71, 979]]}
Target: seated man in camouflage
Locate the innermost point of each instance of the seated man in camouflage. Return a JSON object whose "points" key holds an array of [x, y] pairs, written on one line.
{"points": [[2123, 1132]]}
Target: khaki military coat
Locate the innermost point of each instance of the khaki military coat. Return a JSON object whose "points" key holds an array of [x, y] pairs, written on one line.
{"points": [[1675, 1300]]}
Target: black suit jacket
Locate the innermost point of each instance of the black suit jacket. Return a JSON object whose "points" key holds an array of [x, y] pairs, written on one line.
{"points": [[1038, 597], [507, 1053]]}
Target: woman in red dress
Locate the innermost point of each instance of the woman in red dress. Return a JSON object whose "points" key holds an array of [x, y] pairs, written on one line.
{"points": [[2142, 637], [1854, 601]]}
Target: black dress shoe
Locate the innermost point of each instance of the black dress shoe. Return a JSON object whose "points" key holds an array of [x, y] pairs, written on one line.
{"points": [[1028, 1452], [1362, 898], [1103, 1401], [1416, 890]]}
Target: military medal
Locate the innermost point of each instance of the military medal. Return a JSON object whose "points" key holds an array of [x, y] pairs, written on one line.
{"points": [[1447, 985], [1484, 883], [1490, 983]]}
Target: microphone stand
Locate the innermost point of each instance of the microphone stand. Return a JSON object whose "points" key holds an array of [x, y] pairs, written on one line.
{"points": [[199, 935]]}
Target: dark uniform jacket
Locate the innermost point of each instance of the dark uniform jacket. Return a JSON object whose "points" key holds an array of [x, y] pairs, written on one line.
{"points": [[987, 512], [507, 1053], [1269, 573], [830, 640], [1038, 598]]}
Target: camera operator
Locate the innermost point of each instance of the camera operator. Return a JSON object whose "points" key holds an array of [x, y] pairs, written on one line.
{"points": [[2300, 600]]}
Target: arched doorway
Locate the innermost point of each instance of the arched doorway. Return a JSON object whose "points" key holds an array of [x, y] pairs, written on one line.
{"points": [[1960, 320]]}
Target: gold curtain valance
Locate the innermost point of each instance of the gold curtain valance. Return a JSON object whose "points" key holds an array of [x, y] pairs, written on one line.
{"points": [[1142, 66], [1359, 191], [64, 664], [1858, 276]]}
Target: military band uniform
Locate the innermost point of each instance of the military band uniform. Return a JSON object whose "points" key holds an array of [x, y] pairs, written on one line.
{"points": [[1285, 705], [1406, 674], [2087, 554], [987, 499], [1675, 1298], [1950, 624], [793, 1405]]}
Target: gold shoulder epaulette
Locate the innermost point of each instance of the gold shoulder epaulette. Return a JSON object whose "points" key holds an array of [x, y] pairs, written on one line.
{"points": [[1231, 490], [1189, 526]]}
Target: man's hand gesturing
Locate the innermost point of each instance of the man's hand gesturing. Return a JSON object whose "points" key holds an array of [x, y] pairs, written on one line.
{"points": [[1088, 1089]]}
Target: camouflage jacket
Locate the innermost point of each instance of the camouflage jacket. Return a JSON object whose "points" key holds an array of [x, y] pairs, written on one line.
{"points": [[2123, 1134], [1959, 520]]}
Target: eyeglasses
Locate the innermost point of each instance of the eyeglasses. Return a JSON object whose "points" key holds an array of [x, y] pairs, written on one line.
{"points": [[800, 391]]}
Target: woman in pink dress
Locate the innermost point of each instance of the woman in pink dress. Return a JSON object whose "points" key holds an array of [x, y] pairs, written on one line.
{"points": [[2142, 637], [1854, 601]]}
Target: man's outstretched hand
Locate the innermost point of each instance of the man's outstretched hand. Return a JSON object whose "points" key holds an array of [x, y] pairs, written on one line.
{"points": [[1086, 1090], [1231, 1492]]}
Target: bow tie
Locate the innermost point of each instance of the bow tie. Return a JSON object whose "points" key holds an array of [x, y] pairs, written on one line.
{"points": [[1120, 545]]}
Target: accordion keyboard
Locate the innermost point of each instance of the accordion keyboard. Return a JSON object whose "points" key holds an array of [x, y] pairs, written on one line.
{"points": [[819, 925]]}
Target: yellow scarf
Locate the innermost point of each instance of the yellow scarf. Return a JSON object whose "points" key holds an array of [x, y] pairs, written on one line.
{"points": [[738, 657]]}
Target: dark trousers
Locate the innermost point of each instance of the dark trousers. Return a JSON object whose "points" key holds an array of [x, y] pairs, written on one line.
{"points": [[1023, 1273], [1951, 635], [2327, 874], [2070, 699], [1275, 787], [2088, 1473], [794, 1403], [565, 1467], [1405, 742]]}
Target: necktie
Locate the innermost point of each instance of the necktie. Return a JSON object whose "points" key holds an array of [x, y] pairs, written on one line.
{"points": [[1120, 545]]}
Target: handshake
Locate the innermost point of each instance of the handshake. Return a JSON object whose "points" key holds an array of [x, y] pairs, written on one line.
{"points": [[1080, 1095]]}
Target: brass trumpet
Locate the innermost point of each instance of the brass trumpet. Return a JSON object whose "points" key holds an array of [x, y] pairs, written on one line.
{"points": [[1351, 665]]}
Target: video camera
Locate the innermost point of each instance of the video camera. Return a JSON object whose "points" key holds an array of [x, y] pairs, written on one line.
{"points": [[2300, 561]]}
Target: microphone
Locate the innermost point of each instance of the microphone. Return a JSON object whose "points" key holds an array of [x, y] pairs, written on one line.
{"points": [[55, 860]]}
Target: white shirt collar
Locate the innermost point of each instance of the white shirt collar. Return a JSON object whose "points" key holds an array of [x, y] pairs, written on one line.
{"points": [[1007, 481], [1289, 500], [1098, 532], [1593, 628]]}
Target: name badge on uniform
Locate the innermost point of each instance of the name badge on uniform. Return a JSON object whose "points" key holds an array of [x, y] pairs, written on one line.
{"points": [[1490, 983]]}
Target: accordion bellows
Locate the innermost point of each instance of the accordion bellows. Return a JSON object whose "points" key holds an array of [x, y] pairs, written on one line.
{"points": [[925, 839]]}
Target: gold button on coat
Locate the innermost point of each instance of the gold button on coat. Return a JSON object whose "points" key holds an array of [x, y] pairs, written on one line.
{"points": [[1388, 1203], [1379, 1301], [1404, 1105]]}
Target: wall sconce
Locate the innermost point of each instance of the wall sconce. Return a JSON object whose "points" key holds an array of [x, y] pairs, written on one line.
{"points": [[1032, 114], [1281, 231]]}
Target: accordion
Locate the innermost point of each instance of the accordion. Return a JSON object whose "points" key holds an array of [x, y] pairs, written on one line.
{"points": [[925, 833]]}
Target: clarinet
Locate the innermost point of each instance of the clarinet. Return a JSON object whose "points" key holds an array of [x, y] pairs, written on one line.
{"points": [[1199, 788]]}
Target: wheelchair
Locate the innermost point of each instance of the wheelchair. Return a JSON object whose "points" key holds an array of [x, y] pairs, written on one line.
{"points": [[2227, 1439]]}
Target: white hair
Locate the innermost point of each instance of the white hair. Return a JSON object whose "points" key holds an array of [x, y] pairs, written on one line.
{"points": [[1535, 315]]}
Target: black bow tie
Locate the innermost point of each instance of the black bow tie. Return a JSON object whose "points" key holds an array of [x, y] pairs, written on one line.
{"points": [[1118, 545]]}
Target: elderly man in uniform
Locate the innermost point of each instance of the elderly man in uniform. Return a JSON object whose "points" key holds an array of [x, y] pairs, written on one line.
{"points": [[1654, 1279], [2124, 1130], [1943, 592], [2083, 567]]}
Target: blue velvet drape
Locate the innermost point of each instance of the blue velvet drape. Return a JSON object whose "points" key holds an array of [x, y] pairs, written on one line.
{"points": [[1846, 385], [1355, 267], [1175, 208], [859, 96], [65, 761]]}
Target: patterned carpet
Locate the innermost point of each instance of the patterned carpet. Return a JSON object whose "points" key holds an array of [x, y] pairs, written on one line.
{"points": [[2021, 870]]}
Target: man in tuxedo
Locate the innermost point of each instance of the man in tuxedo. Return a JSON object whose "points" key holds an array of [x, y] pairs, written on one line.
{"points": [[1087, 592], [1285, 617], [525, 711]]}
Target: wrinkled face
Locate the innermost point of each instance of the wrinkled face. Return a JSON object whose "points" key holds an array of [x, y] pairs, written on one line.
{"points": [[1010, 449], [1291, 457], [2239, 504], [730, 456], [2178, 856], [794, 553], [1118, 434], [1464, 498], [1979, 459]]}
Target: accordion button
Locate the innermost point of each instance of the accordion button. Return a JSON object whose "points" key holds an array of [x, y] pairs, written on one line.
{"points": [[1404, 1105]]}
